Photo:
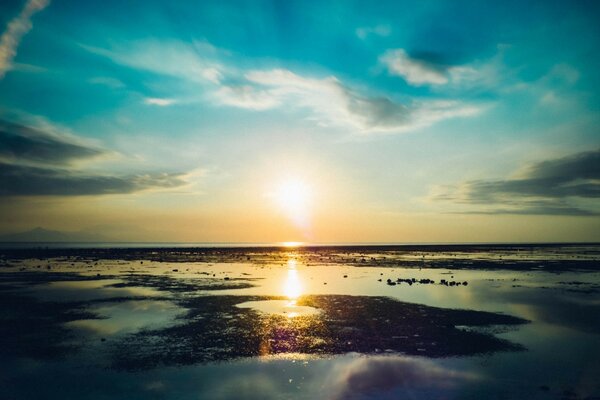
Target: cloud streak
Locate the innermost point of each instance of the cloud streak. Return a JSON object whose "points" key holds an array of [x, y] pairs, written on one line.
{"points": [[546, 188], [157, 101], [176, 59], [382, 30], [41, 162], [20, 143], [34, 181], [16, 29]]}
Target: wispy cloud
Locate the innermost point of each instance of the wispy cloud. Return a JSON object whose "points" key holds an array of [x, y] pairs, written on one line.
{"points": [[156, 101], [112, 83], [16, 29], [332, 103], [379, 30], [549, 187], [246, 96], [188, 61], [328, 100]]}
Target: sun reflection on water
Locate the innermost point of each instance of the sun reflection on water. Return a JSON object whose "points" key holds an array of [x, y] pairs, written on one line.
{"points": [[292, 287], [292, 244]]}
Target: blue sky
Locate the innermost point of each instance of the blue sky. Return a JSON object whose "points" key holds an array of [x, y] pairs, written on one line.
{"points": [[398, 120]]}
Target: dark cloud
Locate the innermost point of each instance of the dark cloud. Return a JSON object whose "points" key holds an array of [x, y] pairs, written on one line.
{"points": [[18, 180], [578, 166], [437, 59], [547, 188], [39, 162], [525, 209], [25, 144], [377, 111]]}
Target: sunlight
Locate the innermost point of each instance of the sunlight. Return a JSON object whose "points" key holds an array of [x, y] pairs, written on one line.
{"points": [[292, 287], [293, 197], [291, 244]]}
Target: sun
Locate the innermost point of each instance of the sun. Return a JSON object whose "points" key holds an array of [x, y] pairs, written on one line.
{"points": [[293, 197]]}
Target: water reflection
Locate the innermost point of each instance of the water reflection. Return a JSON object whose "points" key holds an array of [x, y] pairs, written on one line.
{"points": [[395, 377], [292, 288], [128, 316], [89, 290], [287, 308]]}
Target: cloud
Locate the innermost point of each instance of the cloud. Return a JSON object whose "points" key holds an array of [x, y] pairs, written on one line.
{"points": [[378, 30], [246, 96], [374, 376], [20, 180], [37, 161], [20, 143], [16, 29], [112, 83], [414, 71], [328, 100], [156, 101], [332, 103], [430, 69], [549, 187], [192, 62]]}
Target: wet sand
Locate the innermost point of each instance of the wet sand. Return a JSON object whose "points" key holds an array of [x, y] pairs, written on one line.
{"points": [[436, 309]]}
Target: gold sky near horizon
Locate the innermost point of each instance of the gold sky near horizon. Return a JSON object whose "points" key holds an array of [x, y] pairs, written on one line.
{"points": [[131, 221]]}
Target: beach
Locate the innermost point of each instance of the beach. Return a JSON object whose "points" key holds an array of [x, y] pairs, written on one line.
{"points": [[469, 321]]}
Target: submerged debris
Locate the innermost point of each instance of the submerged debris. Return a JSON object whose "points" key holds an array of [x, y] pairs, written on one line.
{"points": [[426, 281]]}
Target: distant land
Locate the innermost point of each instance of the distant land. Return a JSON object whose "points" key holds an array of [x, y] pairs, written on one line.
{"points": [[46, 235]]}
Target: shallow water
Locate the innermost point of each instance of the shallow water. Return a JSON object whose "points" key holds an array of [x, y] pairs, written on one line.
{"points": [[287, 308], [127, 316], [562, 340]]}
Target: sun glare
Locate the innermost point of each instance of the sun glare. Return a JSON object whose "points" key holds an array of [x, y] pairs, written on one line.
{"points": [[293, 197], [292, 244], [292, 286]]}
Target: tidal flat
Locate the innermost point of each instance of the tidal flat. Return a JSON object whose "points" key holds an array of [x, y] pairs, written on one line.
{"points": [[337, 322]]}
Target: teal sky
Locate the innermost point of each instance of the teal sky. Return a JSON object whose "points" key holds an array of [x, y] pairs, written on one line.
{"points": [[334, 121]]}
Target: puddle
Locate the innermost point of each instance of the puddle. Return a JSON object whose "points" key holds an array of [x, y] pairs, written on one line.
{"points": [[128, 316], [287, 308], [89, 290]]}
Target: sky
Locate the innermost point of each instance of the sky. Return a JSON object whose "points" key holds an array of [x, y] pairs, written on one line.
{"points": [[312, 121]]}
